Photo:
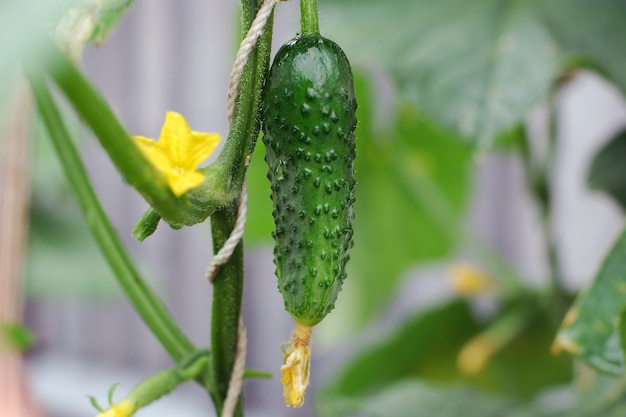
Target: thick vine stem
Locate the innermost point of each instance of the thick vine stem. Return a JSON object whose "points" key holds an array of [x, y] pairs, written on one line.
{"points": [[244, 129], [309, 21], [144, 300], [227, 297], [234, 158]]}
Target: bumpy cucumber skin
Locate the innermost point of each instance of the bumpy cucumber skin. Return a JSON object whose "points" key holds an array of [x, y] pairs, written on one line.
{"points": [[309, 120]]}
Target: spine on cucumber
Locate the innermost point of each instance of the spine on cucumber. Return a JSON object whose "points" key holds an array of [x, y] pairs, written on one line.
{"points": [[309, 122]]}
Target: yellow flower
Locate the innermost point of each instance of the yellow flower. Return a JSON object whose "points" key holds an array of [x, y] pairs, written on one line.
{"points": [[178, 152], [122, 409], [296, 370]]}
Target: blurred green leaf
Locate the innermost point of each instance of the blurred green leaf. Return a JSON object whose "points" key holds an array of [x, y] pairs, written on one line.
{"points": [[412, 183], [22, 26], [608, 170], [260, 224], [475, 67], [592, 31], [413, 398], [425, 346], [16, 336], [591, 329], [526, 365], [428, 346]]}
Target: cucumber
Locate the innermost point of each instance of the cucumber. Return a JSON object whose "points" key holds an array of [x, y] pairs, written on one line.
{"points": [[309, 120]]}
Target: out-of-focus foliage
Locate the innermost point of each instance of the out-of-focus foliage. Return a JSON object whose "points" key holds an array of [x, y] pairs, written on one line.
{"points": [[589, 32], [407, 353], [608, 170], [475, 67], [593, 329], [414, 398]]}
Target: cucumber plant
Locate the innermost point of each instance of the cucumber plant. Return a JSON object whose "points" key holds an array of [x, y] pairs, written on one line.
{"points": [[309, 120]]}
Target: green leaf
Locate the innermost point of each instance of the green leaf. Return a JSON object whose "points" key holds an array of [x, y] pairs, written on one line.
{"points": [[475, 67], [592, 31], [260, 224], [412, 183], [525, 366], [591, 329], [608, 171], [425, 346], [414, 398]]}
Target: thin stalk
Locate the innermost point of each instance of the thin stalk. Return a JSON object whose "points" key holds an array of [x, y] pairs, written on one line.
{"points": [[309, 21], [144, 300], [538, 177]]}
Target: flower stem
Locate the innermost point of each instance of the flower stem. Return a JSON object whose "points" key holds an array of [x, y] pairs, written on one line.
{"points": [[309, 21], [538, 177], [192, 208], [144, 300]]}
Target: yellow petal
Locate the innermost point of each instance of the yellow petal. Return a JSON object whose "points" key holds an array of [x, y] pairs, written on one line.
{"points": [[181, 182], [178, 152], [143, 142], [201, 147], [175, 138], [158, 158], [122, 409]]}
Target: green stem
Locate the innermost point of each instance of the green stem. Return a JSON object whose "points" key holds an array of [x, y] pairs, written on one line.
{"points": [[244, 129], [309, 21], [538, 176], [234, 158], [144, 300], [227, 297]]}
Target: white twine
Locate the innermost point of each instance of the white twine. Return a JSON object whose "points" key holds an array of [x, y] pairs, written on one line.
{"points": [[245, 48], [236, 377], [224, 254]]}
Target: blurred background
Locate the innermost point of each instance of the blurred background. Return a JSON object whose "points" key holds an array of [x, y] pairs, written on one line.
{"points": [[176, 55]]}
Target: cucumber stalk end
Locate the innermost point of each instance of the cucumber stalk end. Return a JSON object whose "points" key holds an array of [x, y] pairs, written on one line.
{"points": [[309, 22]]}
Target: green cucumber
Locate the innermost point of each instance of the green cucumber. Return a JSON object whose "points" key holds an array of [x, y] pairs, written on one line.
{"points": [[309, 120]]}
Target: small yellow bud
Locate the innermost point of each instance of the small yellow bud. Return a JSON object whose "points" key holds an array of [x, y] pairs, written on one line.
{"points": [[296, 368], [468, 280], [475, 354], [122, 409]]}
